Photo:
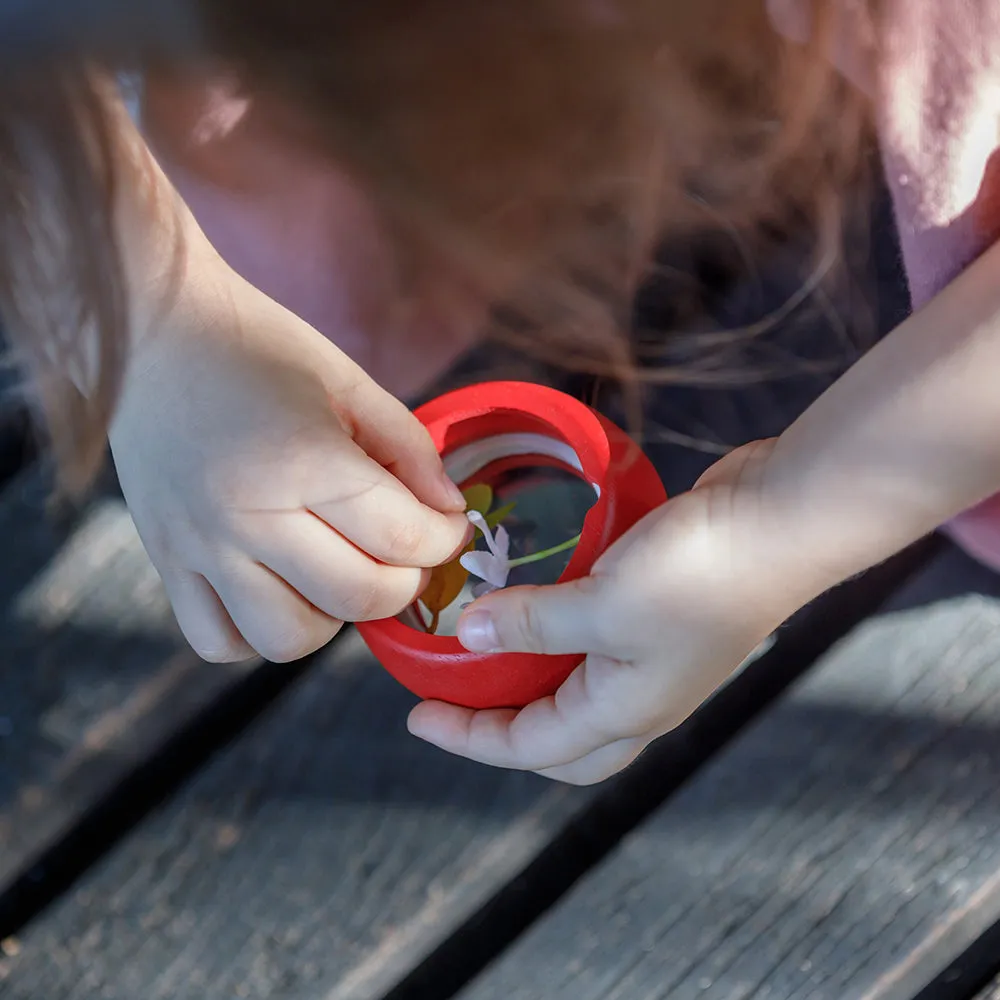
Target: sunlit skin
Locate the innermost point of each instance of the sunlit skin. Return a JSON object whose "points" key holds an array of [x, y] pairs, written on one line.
{"points": [[231, 387]]}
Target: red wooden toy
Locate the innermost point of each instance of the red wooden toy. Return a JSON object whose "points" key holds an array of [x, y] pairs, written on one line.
{"points": [[492, 425]]}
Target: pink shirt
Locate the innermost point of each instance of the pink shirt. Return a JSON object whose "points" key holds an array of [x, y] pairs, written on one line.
{"points": [[301, 233], [936, 84], [936, 87], [940, 131]]}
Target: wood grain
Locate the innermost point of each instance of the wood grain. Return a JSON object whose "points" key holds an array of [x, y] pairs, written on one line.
{"points": [[844, 847], [992, 992], [94, 674], [321, 856], [324, 856]]}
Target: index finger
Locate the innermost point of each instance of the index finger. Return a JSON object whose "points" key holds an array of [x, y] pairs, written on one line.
{"points": [[374, 510]]}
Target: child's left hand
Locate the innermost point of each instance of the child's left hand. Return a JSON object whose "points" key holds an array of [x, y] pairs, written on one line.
{"points": [[668, 613]]}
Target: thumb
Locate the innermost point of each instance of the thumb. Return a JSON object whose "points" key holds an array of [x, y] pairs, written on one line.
{"points": [[392, 436], [565, 618]]}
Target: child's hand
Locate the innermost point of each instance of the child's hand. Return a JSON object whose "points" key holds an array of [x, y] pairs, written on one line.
{"points": [[669, 612], [277, 489]]}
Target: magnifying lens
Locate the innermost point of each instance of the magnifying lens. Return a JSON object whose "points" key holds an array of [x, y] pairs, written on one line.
{"points": [[552, 485]]}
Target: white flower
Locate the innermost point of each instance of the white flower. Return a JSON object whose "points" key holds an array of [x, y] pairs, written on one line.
{"points": [[492, 567]]}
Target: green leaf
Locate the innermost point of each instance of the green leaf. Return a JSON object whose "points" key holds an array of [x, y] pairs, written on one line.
{"points": [[494, 519], [479, 497]]}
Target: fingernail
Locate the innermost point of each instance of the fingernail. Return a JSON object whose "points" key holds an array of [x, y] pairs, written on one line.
{"points": [[478, 634], [454, 493]]}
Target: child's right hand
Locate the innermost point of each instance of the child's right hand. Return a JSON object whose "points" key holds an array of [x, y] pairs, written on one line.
{"points": [[278, 490]]}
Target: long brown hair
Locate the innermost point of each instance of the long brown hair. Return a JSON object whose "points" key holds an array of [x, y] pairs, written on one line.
{"points": [[540, 148]]}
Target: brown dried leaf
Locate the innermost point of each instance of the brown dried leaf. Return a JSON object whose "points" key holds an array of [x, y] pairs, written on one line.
{"points": [[445, 585], [446, 582]]}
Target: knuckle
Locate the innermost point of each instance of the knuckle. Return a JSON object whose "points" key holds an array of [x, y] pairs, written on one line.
{"points": [[405, 542], [608, 635], [363, 603], [608, 623], [530, 625], [419, 446]]}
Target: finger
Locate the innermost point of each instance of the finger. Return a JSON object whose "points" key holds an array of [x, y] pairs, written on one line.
{"points": [[566, 618], [273, 618], [331, 573], [375, 511], [600, 765], [393, 437], [583, 716], [203, 619]]}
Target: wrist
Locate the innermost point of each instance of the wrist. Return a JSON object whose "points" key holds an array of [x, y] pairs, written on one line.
{"points": [[837, 511], [163, 254], [905, 440], [766, 567]]}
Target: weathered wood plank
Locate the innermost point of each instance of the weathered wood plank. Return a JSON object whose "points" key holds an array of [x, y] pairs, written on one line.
{"points": [[317, 848], [94, 675], [324, 855], [17, 440], [992, 992], [844, 847], [973, 975]]}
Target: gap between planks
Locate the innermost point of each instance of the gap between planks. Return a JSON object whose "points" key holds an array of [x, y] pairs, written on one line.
{"points": [[95, 684], [842, 848], [328, 855]]}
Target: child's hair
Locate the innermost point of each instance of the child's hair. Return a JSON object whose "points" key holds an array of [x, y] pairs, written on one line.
{"points": [[541, 149]]}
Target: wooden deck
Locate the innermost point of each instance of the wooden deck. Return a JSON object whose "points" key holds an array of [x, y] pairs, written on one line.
{"points": [[824, 829]]}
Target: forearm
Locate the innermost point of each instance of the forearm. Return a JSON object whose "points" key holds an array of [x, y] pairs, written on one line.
{"points": [[164, 254], [907, 439], [310, 232]]}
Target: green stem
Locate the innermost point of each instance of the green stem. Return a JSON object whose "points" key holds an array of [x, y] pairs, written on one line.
{"points": [[539, 556]]}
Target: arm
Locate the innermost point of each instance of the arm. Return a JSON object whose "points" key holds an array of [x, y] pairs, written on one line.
{"points": [[278, 490], [170, 268], [309, 233], [907, 439]]}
